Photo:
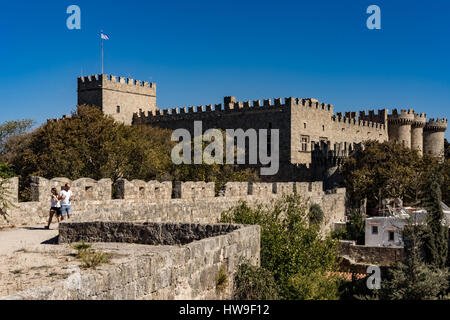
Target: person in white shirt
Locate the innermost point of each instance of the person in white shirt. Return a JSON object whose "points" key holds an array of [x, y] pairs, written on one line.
{"points": [[66, 197], [55, 207]]}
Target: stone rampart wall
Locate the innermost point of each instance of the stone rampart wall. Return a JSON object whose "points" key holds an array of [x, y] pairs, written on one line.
{"points": [[190, 202], [187, 272], [384, 256]]}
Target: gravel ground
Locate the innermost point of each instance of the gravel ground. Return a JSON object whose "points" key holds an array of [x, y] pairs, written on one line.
{"points": [[29, 258]]}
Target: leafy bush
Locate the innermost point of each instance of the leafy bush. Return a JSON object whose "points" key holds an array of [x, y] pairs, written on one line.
{"points": [[354, 228], [290, 245], [316, 285], [254, 283]]}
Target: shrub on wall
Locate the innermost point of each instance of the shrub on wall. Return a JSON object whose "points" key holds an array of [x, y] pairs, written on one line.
{"points": [[292, 249], [316, 214], [254, 283]]}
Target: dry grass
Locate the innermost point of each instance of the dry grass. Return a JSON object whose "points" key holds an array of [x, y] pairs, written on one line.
{"points": [[91, 258], [222, 279]]}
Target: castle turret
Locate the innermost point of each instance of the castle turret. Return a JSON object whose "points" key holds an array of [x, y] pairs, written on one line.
{"points": [[399, 126], [433, 137], [417, 126], [117, 96]]}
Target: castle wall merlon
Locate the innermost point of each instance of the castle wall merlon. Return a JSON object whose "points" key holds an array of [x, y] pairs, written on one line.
{"points": [[438, 125], [312, 103], [353, 121], [405, 117], [420, 120], [378, 117], [99, 80], [256, 103]]}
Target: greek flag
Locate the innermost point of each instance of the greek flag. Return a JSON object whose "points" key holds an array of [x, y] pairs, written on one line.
{"points": [[105, 37]]}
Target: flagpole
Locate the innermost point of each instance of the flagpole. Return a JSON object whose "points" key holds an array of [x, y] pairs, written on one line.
{"points": [[101, 36]]}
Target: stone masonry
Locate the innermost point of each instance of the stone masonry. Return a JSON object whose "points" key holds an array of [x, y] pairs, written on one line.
{"points": [[140, 201], [179, 262], [118, 97], [304, 124]]}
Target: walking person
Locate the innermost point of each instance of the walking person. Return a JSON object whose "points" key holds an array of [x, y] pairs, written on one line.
{"points": [[66, 197], [55, 207]]}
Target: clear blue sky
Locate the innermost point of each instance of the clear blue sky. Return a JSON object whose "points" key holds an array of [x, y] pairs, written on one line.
{"points": [[197, 52]]}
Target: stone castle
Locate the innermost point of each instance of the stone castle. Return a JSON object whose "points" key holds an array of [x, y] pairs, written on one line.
{"points": [[308, 129]]}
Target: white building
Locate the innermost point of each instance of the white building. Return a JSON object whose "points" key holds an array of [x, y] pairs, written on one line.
{"points": [[387, 231]]}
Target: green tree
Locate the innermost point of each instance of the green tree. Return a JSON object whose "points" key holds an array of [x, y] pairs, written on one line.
{"points": [[445, 186], [12, 128], [292, 249], [436, 235], [413, 279], [385, 170], [447, 149], [217, 173], [354, 228], [91, 144]]}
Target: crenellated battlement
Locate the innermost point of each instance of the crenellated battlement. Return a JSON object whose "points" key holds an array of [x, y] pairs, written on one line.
{"points": [[420, 120], [230, 105], [86, 189], [438, 125], [118, 97], [99, 80], [64, 117], [142, 201], [404, 117], [380, 117], [363, 121]]}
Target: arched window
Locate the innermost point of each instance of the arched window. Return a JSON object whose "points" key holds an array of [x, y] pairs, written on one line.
{"points": [[118, 109]]}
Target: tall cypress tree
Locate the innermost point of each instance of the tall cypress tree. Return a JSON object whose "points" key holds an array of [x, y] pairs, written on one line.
{"points": [[413, 279], [436, 237]]}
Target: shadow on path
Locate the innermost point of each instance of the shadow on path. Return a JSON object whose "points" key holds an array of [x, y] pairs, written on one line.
{"points": [[53, 240]]}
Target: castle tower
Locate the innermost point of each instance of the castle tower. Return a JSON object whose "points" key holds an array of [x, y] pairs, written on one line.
{"points": [[417, 132], [117, 97], [433, 137], [399, 126]]}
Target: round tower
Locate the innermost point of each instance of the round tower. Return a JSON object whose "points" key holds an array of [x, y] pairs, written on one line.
{"points": [[433, 137], [399, 126], [420, 120]]}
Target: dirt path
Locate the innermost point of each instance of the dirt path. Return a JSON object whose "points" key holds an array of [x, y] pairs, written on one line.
{"points": [[25, 237], [28, 258]]}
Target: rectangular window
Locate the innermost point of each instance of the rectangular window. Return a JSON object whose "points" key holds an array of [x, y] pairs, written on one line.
{"points": [[305, 142], [391, 235], [374, 229]]}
